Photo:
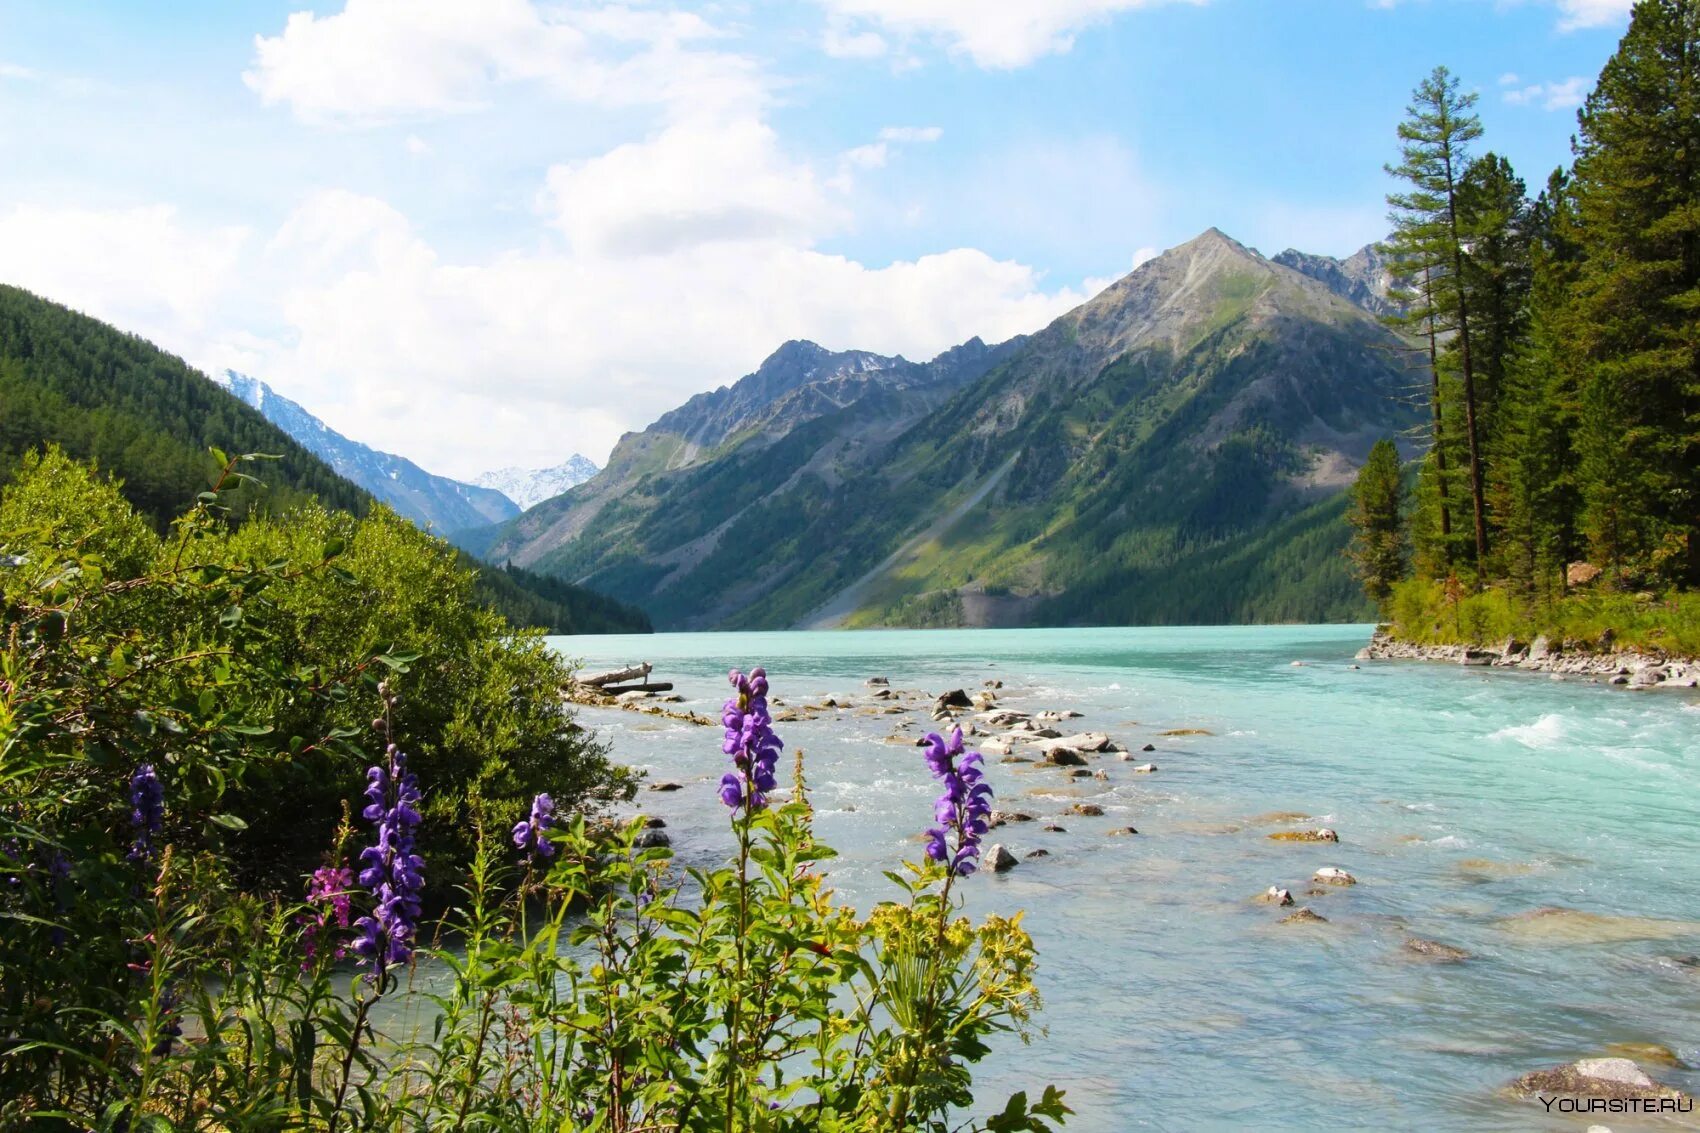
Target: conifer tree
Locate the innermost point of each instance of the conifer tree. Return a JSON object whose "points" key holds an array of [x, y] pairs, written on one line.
{"points": [[1377, 509], [1637, 195], [1429, 240]]}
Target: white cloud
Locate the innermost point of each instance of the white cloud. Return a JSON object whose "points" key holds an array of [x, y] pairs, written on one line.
{"points": [[1142, 256], [1576, 14], [13, 71], [382, 60], [841, 43], [417, 146], [1566, 94], [998, 34], [695, 182], [140, 268]]}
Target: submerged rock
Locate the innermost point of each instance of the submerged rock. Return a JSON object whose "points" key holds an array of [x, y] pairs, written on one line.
{"points": [[1145, 769], [1000, 860], [1123, 831], [666, 785], [1657, 1053], [1090, 810], [1616, 1079], [1436, 951], [1303, 916], [1333, 875], [1149, 747], [1041, 852], [1559, 925], [1320, 834], [1187, 732], [1275, 895]]}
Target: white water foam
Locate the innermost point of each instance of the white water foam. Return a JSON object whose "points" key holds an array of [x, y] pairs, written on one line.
{"points": [[1548, 731]]}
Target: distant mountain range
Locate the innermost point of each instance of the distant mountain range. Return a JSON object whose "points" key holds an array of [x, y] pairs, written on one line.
{"points": [[529, 487], [1173, 450], [436, 502]]}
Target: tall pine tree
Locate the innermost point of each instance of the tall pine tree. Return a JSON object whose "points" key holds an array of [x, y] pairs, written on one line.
{"points": [[1637, 197], [1377, 517], [1429, 242]]}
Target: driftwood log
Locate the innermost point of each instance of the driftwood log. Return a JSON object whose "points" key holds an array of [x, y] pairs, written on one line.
{"points": [[614, 676], [616, 690]]}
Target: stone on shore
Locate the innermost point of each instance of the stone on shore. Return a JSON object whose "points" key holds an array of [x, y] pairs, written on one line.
{"points": [[1064, 757], [955, 698], [1085, 741], [1333, 875], [1057, 717], [1000, 860]]}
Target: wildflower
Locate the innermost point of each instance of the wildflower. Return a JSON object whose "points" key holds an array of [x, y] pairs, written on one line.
{"points": [[750, 742], [170, 1024], [328, 899], [964, 810], [147, 813], [529, 835], [391, 871]]}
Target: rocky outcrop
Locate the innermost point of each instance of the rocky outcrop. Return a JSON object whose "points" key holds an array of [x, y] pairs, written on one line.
{"points": [[1624, 667], [1614, 1079]]}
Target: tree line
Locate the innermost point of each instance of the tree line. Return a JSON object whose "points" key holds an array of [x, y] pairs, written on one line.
{"points": [[1562, 338]]}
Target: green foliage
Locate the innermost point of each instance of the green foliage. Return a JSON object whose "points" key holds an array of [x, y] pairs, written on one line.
{"points": [[1376, 514], [234, 650], [599, 990], [1424, 611], [1636, 188]]}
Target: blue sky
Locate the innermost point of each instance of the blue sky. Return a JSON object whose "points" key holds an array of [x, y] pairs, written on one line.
{"points": [[492, 232]]}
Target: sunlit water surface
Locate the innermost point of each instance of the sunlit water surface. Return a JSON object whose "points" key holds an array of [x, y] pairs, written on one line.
{"points": [[1172, 1000]]}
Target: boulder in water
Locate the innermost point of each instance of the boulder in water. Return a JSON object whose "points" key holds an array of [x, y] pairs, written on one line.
{"points": [[1614, 1079], [1320, 834], [955, 698], [651, 839], [1303, 916], [1435, 950], [1333, 875], [1090, 810], [1000, 860], [1275, 895]]}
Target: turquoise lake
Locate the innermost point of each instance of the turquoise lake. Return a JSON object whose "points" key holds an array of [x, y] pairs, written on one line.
{"points": [[1464, 800]]}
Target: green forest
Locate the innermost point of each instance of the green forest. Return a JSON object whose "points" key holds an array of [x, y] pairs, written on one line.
{"points": [[150, 420], [1560, 488]]}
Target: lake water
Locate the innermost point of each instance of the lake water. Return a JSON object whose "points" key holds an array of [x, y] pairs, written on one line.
{"points": [[1172, 1000]]}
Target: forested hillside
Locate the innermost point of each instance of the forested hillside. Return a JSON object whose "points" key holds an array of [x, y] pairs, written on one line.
{"points": [[1564, 402], [148, 419]]}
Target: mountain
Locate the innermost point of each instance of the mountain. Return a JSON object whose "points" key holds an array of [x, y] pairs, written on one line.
{"points": [[433, 502], [1173, 449], [1363, 277], [148, 419], [528, 487]]}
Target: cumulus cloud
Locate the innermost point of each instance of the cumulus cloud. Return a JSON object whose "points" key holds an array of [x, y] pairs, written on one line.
{"points": [[999, 34], [1576, 14], [382, 60], [141, 268], [1565, 94]]}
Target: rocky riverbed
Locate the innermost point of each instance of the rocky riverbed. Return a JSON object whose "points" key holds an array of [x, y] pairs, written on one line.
{"points": [[1338, 895], [1563, 660]]}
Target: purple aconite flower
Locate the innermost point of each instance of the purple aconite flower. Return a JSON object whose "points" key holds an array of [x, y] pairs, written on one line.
{"points": [[147, 811], [964, 810], [390, 870], [750, 742], [529, 835]]}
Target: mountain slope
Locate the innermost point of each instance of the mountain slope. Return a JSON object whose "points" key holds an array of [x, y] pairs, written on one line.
{"points": [[433, 502], [147, 418], [1190, 416], [1363, 277], [528, 487]]}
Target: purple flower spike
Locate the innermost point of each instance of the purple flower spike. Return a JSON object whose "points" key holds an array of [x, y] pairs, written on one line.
{"points": [[390, 869], [329, 906], [964, 810], [529, 835], [147, 811], [751, 743]]}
